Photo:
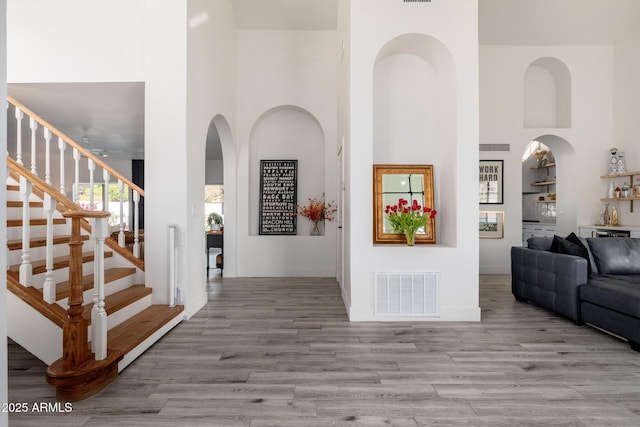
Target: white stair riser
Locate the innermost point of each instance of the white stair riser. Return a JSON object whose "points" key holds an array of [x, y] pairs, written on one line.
{"points": [[62, 274], [14, 233], [109, 289]]}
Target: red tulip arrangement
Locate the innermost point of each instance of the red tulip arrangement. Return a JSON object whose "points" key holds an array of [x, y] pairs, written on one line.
{"points": [[409, 218]]}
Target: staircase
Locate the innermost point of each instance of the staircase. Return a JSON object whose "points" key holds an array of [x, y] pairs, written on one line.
{"points": [[82, 309]]}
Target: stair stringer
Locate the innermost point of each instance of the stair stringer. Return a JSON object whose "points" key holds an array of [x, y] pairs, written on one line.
{"points": [[39, 335]]}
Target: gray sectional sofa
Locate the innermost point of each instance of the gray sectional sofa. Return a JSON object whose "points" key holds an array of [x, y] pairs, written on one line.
{"points": [[594, 280]]}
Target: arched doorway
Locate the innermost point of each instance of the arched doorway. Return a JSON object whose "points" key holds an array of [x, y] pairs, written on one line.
{"points": [[219, 199]]}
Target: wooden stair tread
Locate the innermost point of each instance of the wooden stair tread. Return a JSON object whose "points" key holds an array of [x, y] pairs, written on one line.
{"points": [[38, 242], [13, 187], [119, 300], [34, 222], [110, 275], [19, 204], [130, 333], [39, 266]]}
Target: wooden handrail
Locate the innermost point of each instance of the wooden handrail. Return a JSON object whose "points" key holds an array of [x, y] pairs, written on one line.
{"points": [[74, 144]]}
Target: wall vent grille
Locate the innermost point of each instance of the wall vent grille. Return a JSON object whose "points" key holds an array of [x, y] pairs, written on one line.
{"points": [[417, 1], [495, 147], [407, 294]]}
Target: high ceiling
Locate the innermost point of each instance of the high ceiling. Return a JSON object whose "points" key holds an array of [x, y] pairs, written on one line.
{"points": [[111, 115]]}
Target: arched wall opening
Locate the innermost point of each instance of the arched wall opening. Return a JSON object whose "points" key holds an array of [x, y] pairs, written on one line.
{"points": [[220, 167], [547, 94], [415, 116], [288, 133], [565, 177]]}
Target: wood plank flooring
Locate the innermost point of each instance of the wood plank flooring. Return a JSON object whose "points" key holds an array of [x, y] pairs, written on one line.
{"points": [[280, 352]]}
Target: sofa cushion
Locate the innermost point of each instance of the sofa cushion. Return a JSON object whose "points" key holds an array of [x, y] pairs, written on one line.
{"points": [[539, 243], [616, 255], [616, 292], [571, 246]]}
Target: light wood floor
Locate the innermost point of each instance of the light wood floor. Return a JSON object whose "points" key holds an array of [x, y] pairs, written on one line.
{"points": [[268, 352]]}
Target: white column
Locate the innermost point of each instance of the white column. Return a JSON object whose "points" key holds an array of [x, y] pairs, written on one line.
{"points": [[47, 154], [92, 168], [76, 182], [19, 117], [49, 287], [34, 127], [121, 238], [25, 266], [62, 146], [98, 313], [136, 224]]}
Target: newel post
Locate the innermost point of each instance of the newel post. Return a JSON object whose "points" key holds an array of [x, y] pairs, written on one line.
{"points": [[75, 341]]}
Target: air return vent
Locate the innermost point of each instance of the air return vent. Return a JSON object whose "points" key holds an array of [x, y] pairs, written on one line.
{"points": [[407, 294], [417, 1], [494, 147]]}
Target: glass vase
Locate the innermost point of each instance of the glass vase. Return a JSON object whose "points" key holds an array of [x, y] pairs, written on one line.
{"points": [[411, 238], [315, 228]]}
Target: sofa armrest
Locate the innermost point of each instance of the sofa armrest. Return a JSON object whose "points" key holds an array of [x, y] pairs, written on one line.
{"points": [[548, 279]]}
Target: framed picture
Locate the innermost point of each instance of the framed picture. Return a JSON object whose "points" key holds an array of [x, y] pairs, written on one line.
{"points": [[491, 175], [491, 224], [410, 182], [278, 192]]}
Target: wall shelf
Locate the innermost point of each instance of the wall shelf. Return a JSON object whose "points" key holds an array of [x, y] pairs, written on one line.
{"points": [[543, 183], [622, 199]]}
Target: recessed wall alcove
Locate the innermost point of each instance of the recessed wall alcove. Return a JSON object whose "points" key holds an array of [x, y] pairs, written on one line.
{"points": [[547, 94], [287, 133], [414, 116]]}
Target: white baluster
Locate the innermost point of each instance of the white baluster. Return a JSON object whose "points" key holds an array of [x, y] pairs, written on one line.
{"points": [[62, 146], [105, 192], [25, 266], [121, 239], [34, 127], [92, 168], [49, 287], [47, 153], [19, 117], [98, 313], [136, 224], [76, 182]]}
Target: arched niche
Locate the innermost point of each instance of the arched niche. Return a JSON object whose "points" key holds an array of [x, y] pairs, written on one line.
{"points": [[287, 133], [415, 116], [565, 174], [547, 94]]}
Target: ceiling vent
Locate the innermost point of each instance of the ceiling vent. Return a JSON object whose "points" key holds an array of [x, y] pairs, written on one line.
{"points": [[417, 1]]}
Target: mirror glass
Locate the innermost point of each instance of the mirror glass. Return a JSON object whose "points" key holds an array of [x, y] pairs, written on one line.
{"points": [[409, 182]]}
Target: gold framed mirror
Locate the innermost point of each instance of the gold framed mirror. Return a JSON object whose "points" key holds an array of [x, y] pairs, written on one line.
{"points": [[410, 182]]}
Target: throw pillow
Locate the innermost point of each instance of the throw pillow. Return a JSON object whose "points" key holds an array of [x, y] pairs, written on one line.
{"points": [[566, 246]]}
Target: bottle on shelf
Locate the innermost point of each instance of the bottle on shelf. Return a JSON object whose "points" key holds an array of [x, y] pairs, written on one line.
{"points": [[606, 217], [636, 188], [611, 190], [614, 216]]}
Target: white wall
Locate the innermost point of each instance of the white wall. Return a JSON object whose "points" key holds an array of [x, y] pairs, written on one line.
{"points": [[580, 151], [373, 24], [214, 172], [293, 73], [211, 77], [92, 40], [626, 94], [3, 215]]}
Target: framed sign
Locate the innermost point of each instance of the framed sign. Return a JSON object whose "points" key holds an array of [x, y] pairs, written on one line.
{"points": [[278, 190], [491, 175], [491, 225]]}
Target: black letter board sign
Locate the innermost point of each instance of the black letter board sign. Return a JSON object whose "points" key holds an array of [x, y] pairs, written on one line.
{"points": [[278, 189]]}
